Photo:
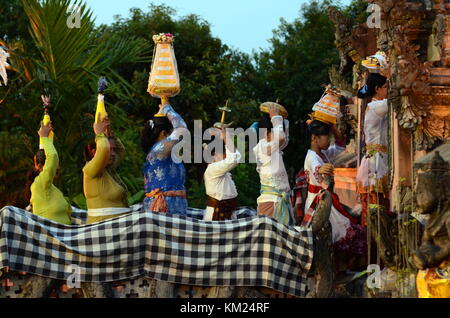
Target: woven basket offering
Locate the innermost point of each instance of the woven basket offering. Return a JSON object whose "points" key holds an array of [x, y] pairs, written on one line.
{"points": [[264, 107]]}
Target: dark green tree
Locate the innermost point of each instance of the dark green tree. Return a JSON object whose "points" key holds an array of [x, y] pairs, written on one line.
{"points": [[45, 53], [292, 70], [66, 62], [206, 71]]}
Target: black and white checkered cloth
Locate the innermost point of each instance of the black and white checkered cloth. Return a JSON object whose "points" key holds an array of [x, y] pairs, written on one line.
{"points": [[253, 251], [79, 216]]}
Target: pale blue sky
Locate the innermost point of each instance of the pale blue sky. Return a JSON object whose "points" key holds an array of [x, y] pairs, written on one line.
{"points": [[242, 24]]}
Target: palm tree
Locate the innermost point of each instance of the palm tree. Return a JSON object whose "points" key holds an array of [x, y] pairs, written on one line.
{"points": [[65, 62]]}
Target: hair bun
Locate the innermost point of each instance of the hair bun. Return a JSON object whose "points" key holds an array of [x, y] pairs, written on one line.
{"points": [[363, 92]]}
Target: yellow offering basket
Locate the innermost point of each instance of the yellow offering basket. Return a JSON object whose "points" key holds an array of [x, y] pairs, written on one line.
{"points": [[327, 108], [164, 81]]}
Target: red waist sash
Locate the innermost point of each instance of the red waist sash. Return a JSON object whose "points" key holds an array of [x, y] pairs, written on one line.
{"points": [[336, 203]]}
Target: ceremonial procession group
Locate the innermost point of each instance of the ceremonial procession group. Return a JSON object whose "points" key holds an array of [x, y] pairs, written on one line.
{"points": [[164, 177]]}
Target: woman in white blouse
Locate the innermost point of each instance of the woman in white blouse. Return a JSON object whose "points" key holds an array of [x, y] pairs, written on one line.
{"points": [[372, 174], [275, 190]]}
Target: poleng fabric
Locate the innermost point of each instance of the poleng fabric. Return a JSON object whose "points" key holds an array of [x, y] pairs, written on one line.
{"points": [[255, 251], [79, 216]]}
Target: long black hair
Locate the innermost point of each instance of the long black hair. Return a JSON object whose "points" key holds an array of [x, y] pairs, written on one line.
{"points": [[265, 122], [39, 158], [373, 81], [151, 131]]}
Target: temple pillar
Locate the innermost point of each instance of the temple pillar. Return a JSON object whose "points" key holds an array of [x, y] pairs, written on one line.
{"points": [[401, 156]]}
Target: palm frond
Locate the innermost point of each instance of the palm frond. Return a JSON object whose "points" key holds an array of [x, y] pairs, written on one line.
{"points": [[59, 46]]}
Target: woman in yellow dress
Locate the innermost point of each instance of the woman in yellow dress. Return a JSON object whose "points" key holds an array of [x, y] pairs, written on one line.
{"points": [[47, 200], [106, 195]]}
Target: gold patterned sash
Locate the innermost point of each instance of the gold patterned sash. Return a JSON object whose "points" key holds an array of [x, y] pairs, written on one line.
{"points": [[372, 148]]}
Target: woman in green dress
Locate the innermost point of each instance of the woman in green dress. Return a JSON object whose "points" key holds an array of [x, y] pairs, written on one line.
{"points": [[47, 200]]}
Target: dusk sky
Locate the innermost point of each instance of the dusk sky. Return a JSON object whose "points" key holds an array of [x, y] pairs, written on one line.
{"points": [[242, 24]]}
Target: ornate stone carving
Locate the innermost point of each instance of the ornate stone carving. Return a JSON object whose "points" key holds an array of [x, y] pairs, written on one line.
{"points": [[323, 262], [423, 140], [343, 30], [353, 42], [381, 233], [405, 28], [433, 198], [436, 40], [404, 36], [338, 80]]}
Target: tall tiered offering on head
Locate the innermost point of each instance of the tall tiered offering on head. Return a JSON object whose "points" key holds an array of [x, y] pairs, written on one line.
{"points": [[327, 108], [101, 110], [46, 119], [164, 81]]}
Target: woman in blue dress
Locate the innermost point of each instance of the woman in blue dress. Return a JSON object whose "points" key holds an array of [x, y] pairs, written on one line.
{"points": [[164, 178]]}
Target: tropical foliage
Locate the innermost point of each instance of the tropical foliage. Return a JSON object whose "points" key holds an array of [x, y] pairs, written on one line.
{"points": [[48, 56]]}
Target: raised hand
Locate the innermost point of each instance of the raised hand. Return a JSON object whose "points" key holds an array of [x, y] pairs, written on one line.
{"points": [[45, 130], [102, 126], [273, 111]]}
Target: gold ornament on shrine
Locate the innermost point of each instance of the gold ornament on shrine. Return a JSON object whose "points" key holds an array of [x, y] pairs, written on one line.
{"points": [[164, 81], [327, 108]]}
